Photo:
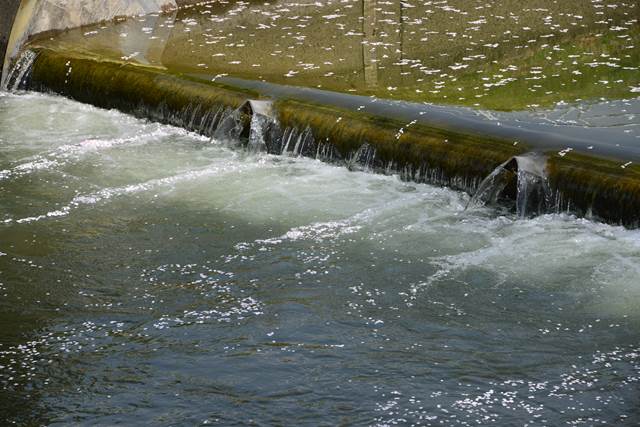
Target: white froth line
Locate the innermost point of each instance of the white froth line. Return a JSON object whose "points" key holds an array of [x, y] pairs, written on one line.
{"points": [[320, 231], [64, 153], [109, 193]]}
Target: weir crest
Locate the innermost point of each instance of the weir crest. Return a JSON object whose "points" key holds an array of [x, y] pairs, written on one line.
{"points": [[418, 143]]}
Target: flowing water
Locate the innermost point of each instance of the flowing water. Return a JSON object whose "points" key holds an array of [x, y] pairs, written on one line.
{"points": [[153, 276], [499, 55], [550, 76]]}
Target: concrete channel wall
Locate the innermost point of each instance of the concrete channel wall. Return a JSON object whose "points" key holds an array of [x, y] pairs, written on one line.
{"points": [[21, 19]]}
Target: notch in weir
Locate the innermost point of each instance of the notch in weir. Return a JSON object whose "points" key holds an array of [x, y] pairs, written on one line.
{"points": [[253, 124], [521, 179]]}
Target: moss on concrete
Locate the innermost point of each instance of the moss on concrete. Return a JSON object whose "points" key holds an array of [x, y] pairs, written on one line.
{"points": [[142, 91], [427, 154], [604, 189], [584, 184]]}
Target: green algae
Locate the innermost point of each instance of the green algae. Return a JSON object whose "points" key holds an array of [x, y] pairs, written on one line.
{"points": [[595, 187], [143, 91], [438, 156]]}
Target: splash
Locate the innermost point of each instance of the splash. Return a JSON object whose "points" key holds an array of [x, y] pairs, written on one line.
{"points": [[16, 78], [362, 159], [521, 178]]}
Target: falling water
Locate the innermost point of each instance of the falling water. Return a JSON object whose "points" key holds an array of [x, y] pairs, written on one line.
{"points": [[534, 194], [296, 143], [21, 68], [327, 152], [305, 144], [362, 159], [257, 133], [231, 127], [522, 178], [494, 184]]}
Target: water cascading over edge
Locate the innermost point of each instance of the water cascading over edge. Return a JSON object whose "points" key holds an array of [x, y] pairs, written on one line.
{"points": [[521, 179], [360, 141], [19, 73]]}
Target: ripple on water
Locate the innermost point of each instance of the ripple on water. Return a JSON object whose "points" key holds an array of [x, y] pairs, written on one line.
{"points": [[188, 282]]}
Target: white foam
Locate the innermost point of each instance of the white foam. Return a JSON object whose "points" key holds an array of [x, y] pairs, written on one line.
{"points": [[106, 194]]}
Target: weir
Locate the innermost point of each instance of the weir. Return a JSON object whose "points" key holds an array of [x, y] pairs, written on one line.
{"points": [[591, 171], [523, 179], [209, 214]]}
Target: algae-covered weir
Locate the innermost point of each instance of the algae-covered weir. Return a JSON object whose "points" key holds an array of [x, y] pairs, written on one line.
{"points": [[320, 213], [438, 92]]}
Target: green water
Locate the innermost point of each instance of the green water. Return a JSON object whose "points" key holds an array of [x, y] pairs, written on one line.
{"points": [[499, 55], [149, 276]]}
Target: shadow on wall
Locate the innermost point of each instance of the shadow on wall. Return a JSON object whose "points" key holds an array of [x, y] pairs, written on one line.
{"points": [[9, 9], [37, 16]]}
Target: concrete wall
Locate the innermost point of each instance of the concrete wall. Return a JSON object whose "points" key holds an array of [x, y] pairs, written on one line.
{"points": [[36, 16], [8, 9], [62, 14]]}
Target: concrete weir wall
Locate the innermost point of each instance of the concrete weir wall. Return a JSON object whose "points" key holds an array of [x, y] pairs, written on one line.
{"points": [[440, 148], [21, 19], [333, 130]]}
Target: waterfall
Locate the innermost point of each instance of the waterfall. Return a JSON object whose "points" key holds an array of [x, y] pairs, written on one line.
{"points": [[264, 130], [327, 152], [533, 193], [252, 125], [294, 143], [231, 127], [15, 78], [494, 184], [257, 131], [362, 159], [521, 178], [306, 144], [285, 141]]}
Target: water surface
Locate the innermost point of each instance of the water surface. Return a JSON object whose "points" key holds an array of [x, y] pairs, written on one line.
{"points": [[499, 55], [551, 75], [151, 276]]}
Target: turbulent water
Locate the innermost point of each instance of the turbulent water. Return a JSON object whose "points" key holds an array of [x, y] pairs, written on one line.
{"points": [[151, 276]]}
